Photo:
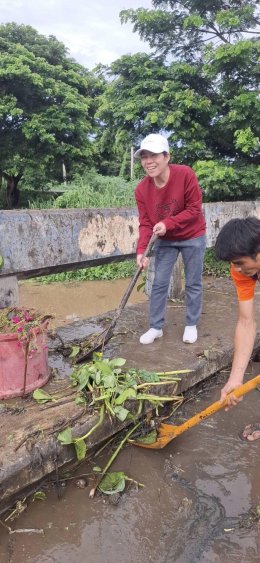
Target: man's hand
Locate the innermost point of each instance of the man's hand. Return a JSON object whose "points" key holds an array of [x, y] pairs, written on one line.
{"points": [[159, 229], [228, 388], [142, 262]]}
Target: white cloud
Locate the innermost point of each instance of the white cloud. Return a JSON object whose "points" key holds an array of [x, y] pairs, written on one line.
{"points": [[91, 31]]}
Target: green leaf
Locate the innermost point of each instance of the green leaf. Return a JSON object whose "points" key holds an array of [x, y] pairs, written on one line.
{"points": [[109, 381], [81, 449], [98, 378], [65, 437], [75, 351], [81, 377], [103, 366], [148, 376], [117, 362], [39, 495], [42, 397], [112, 483], [1, 262], [80, 401], [121, 413], [140, 286], [97, 469], [129, 393], [148, 438]]}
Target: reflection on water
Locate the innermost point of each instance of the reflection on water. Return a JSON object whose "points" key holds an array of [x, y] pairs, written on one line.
{"points": [[71, 301], [191, 509]]}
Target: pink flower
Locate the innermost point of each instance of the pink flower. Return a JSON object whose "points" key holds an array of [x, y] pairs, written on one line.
{"points": [[19, 329], [15, 320], [28, 318]]}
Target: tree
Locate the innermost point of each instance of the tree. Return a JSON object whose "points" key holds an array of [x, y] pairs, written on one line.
{"points": [[204, 97], [182, 28], [47, 109], [127, 107]]}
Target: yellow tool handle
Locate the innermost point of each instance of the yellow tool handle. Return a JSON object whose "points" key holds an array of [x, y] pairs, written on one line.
{"points": [[215, 407]]}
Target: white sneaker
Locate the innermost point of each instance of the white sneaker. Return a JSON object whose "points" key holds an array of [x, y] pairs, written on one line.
{"points": [[149, 336], [190, 334]]}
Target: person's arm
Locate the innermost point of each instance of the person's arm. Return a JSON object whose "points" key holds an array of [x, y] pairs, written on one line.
{"points": [[245, 334]]}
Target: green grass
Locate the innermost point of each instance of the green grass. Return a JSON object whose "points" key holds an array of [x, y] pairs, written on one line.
{"points": [[94, 190], [213, 267], [119, 270]]}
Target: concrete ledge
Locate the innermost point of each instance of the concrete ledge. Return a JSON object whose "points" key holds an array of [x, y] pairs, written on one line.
{"points": [[34, 242]]}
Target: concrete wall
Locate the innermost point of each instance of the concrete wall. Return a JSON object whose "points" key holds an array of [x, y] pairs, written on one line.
{"points": [[219, 213], [35, 242], [44, 241]]}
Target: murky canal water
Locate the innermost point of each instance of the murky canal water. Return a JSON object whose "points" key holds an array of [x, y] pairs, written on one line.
{"points": [[71, 301], [195, 506]]}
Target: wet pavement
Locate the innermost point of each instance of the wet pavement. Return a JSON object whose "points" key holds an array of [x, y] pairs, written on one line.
{"points": [[195, 505]]}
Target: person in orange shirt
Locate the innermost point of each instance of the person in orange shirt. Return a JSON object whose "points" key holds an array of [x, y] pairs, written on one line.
{"points": [[238, 242]]}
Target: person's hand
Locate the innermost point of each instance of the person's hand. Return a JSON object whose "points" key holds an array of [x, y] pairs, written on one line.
{"points": [[142, 262], [159, 229], [228, 388]]}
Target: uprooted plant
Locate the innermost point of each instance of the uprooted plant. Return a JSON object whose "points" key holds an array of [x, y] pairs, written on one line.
{"points": [[103, 385]]}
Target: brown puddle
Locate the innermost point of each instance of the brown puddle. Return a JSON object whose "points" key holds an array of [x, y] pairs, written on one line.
{"points": [[71, 301], [194, 506]]}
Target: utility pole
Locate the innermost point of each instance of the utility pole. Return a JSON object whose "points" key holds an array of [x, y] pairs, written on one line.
{"points": [[64, 173], [132, 163]]}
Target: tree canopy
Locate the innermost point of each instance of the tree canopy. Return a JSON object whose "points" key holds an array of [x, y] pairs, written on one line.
{"points": [[182, 28], [200, 87], [46, 109]]}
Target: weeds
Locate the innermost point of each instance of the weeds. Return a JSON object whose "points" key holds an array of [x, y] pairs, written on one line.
{"points": [[103, 385]]}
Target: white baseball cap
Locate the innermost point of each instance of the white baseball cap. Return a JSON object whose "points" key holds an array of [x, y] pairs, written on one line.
{"points": [[153, 143]]}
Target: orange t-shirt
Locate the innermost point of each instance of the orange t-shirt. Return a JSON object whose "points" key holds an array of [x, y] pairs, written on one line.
{"points": [[245, 285]]}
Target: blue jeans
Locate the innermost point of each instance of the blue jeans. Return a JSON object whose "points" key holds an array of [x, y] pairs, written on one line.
{"points": [[166, 254]]}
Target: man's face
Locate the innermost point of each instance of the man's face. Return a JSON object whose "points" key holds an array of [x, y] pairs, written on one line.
{"points": [[247, 265], [154, 164]]}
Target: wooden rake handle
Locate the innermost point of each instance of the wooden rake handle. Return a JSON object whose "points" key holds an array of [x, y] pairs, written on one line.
{"points": [[132, 283], [215, 407]]}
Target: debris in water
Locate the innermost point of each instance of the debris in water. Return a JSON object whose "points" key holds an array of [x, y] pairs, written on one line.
{"points": [[27, 531], [81, 483]]}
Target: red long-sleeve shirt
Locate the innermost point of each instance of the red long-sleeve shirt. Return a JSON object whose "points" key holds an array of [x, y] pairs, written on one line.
{"points": [[178, 205]]}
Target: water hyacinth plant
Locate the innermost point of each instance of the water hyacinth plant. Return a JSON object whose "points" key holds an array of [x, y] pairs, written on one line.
{"points": [[106, 386]]}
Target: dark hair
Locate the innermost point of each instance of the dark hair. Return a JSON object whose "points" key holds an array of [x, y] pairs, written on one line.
{"points": [[239, 237]]}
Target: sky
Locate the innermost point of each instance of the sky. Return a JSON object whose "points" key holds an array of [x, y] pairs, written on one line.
{"points": [[90, 30]]}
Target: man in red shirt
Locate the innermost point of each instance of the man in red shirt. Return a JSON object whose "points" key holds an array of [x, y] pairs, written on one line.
{"points": [[169, 202], [238, 242]]}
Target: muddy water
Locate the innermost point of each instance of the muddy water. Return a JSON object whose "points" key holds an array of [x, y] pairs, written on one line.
{"points": [[194, 506], [71, 301]]}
